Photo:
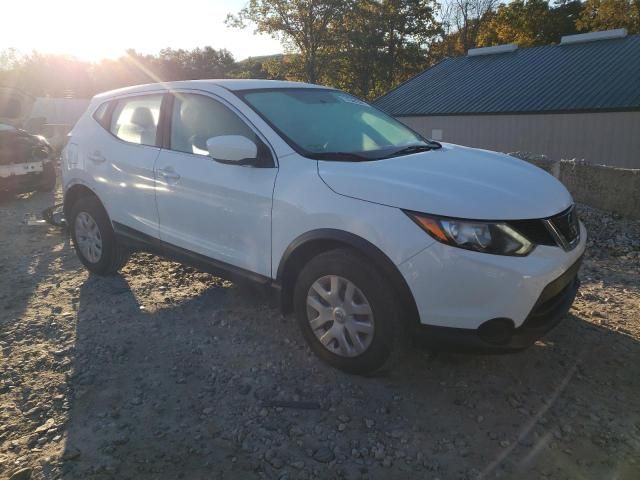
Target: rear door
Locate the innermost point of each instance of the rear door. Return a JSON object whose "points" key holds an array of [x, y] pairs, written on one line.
{"points": [[218, 210], [121, 157]]}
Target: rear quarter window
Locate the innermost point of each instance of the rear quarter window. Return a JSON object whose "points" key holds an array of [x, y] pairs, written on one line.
{"points": [[100, 115]]}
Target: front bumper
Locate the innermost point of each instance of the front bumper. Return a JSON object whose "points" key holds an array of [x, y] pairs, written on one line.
{"points": [[491, 302], [28, 181], [499, 335]]}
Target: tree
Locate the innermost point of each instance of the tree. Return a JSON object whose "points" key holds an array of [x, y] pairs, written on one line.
{"points": [[8, 59], [529, 23], [305, 26], [362, 46], [466, 18], [521, 21], [408, 26], [380, 43], [57, 75], [609, 14]]}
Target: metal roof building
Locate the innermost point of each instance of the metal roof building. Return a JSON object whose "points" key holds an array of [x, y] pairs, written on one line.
{"points": [[578, 99]]}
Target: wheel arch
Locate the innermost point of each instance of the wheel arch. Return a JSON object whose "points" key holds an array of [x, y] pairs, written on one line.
{"points": [[312, 243], [75, 193]]}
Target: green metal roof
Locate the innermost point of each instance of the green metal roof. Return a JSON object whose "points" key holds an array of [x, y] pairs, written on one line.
{"points": [[590, 76]]}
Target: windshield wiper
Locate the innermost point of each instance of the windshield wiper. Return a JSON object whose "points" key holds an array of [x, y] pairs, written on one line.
{"points": [[408, 150], [338, 156]]}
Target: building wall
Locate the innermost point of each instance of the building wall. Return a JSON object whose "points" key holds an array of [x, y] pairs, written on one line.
{"points": [[611, 138], [59, 110]]}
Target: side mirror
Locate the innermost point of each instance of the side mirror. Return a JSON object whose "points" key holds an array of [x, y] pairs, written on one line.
{"points": [[234, 149]]}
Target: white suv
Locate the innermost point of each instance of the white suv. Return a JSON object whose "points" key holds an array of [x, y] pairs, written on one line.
{"points": [[366, 230]]}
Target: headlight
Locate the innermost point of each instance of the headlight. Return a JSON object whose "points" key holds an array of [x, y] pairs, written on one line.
{"points": [[487, 237]]}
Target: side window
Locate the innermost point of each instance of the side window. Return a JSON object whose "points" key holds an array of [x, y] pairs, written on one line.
{"points": [[197, 118], [100, 115], [135, 119]]}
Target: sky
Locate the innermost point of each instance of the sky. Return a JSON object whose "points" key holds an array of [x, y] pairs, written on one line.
{"points": [[92, 29]]}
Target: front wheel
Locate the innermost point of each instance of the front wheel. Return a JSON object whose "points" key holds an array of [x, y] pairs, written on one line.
{"points": [[347, 311]]}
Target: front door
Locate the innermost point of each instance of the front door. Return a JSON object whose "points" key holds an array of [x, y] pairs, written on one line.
{"points": [[218, 210]]}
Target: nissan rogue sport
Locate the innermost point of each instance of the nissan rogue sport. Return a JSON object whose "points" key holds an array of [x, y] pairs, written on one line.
{"points": [[368, 231]]}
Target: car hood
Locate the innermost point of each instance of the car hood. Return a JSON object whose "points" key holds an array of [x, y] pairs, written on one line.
{"points": [[452, 181]]}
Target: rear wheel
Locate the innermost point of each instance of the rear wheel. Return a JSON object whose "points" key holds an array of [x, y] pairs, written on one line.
{"points": [[347, 311], [93, 238]]}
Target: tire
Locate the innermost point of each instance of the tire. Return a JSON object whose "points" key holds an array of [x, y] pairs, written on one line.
{"points": [[111, 257], [370, 289], [48, 182]]}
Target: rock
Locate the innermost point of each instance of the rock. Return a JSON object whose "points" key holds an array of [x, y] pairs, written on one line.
{"points": [[50, 423], [323, 455], [295, 431], [378, 452], [526, 442], [121, 440], [276, 462], [369, 423]]}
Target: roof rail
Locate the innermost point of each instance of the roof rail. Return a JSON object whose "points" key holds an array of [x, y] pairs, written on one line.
{"points": [[593, 36], [509, 47]]}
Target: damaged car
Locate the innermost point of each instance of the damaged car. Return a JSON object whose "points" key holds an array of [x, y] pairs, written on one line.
{"points": [[26, 160]]}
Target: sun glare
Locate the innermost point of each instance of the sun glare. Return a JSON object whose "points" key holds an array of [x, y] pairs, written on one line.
{"points": [[96, 30]]}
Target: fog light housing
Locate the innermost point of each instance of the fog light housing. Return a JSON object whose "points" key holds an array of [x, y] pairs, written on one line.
{"points": [[497, 331]]}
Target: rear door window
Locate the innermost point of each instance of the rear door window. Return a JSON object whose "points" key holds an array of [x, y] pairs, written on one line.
{"points": [[135, 119]]}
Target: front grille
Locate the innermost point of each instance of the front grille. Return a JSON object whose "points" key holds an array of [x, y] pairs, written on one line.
{"points": [[564, 228], [535, 231], [561, 230]]}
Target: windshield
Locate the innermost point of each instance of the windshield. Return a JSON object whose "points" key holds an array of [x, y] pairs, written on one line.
{"points": [[332, 125]]}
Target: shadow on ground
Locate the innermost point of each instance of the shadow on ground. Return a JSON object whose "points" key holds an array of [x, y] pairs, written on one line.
{"points": [[166, 389]]}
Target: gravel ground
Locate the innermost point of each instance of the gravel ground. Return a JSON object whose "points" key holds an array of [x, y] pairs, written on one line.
{"points": [[166, 373]]}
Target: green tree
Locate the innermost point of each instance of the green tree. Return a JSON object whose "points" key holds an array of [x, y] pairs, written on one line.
{"points": [[379, 44], [365, 46], [408, 26], [57, 75], [521, 21], [563, 17], [306, 27], [609, 14], [466, 19], [530, 23]]}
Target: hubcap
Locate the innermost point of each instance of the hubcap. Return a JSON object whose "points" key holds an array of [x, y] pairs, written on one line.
{"points": [[88, 237], [340, 316]]}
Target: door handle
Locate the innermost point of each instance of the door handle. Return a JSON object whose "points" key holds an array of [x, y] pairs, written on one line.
{"points": [[169, 174], [96, 157]]}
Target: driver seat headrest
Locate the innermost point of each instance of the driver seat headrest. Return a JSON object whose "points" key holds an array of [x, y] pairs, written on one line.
{"points": [[143, 117]]}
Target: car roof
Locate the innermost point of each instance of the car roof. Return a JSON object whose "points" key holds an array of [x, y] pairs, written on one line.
{"points": [[229, 84]]}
